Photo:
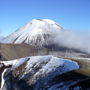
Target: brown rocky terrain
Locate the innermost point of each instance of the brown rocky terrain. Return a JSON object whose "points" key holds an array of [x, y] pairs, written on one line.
{"points": [[15, 51]]}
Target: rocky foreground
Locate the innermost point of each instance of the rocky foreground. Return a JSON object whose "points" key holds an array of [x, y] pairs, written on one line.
{"points": [[40, 73]]}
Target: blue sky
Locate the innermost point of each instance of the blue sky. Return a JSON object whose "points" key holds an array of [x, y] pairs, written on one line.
{"points": [[70, 14]]}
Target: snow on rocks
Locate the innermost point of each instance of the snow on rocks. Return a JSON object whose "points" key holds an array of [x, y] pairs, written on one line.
{"points": [[49, 63], [44, 64], [15, 63], [39, 70], [47, 67]]}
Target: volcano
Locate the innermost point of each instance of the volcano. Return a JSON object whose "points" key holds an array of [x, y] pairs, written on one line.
{"points": [[38, 32]]}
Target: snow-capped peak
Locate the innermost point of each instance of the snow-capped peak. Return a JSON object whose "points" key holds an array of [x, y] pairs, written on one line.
{"points": [[37, 32]]}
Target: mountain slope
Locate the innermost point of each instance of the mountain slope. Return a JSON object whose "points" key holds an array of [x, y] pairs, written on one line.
{"points": [[37, 32]]}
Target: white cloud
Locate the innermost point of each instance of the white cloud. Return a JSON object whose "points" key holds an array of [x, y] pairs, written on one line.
{"points": [[75, 40]]}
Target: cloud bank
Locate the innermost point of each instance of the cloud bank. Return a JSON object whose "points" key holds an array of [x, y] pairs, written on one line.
{"points": [[72, 39]]}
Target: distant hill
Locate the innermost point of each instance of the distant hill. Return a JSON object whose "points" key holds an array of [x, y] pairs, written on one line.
{"points": [[14, 51]]}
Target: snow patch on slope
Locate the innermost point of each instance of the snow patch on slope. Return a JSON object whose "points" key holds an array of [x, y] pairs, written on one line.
{"points": [[50, 63]]}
